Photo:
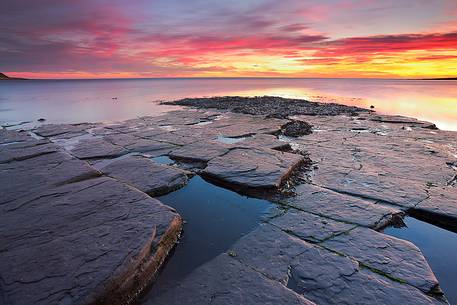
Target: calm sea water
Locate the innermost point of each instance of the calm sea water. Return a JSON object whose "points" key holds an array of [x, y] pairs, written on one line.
{"points": [[74, 101]]}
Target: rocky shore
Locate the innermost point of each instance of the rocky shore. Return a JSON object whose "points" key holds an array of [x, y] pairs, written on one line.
{"points": [[80, 224]]}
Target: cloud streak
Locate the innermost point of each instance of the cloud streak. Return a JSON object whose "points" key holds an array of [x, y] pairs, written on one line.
{"points": [[203, 38]]}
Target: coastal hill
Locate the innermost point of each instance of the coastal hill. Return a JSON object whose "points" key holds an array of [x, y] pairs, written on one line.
{"points": [[4, 77]]}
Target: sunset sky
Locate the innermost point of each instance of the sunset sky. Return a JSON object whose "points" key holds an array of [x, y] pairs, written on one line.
{"points": [[230, 38]]}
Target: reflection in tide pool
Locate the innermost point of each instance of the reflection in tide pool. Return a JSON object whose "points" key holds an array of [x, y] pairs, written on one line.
{"points": [[214, 219], [75, 101], [439, 247]]}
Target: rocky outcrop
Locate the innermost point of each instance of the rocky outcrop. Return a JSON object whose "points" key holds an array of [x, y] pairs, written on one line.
{"points": [[79, 228], [69, 236], [268, 105]]}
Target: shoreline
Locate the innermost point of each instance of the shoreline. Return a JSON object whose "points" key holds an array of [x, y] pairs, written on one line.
{"points": [[362, 172]]}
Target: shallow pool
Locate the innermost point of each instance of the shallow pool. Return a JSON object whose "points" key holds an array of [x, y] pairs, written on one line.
{"points": [[439, 247], [215, 218]]}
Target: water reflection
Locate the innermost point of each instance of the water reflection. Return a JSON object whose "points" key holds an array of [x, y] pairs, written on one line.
{"points": [[92, 100], [439, 247], [215, 218]]}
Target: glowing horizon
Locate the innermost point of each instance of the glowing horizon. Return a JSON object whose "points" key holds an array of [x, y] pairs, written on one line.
{"points": [[255, 38]]}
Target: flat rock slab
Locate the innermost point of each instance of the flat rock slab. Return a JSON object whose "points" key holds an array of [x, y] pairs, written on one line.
{"points": [[225, 281], [146, 175], [200, 151], [251, 168], [97, 148], [263, 141], [320, 275], [95, 241], [329, 278], [25, 150], [401, 192], [310, 227], [441, 206], [50, 130], [9, 136], [342, 207], [136, 144], [394, 257], [27, 179]]}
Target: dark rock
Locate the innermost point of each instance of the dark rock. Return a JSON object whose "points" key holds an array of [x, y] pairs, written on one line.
{"points": [[272, 106], [329, 278], [396, 258], [296, 129], [320, 275], [440, 207], [249, 168], [97, 148], [342, 207], [41, 120], [92, 242], [310, 227], [402, 192], [135, 144], [24, 180], [200, 151], [25, 150], [263, 141], [402, 120], [9, 136], [50, 130], [146, 175], [225, 281]]}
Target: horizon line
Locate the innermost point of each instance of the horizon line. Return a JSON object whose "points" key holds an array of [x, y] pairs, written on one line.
{"points": [[237, 77]]}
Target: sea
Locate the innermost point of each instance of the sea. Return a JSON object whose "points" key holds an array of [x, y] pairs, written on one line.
{"points": [[109, 100]]}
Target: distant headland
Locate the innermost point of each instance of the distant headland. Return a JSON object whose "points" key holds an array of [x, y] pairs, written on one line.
{"points": [[4, 77]]}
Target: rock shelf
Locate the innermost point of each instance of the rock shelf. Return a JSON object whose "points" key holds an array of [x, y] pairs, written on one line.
{"points": [[80, 224]]}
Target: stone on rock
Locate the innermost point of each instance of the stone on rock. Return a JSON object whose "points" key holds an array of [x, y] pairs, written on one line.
{"points": [[225, 281], [398, 259], [93, 242], [146, 175], [253, 168], [296, 128]]}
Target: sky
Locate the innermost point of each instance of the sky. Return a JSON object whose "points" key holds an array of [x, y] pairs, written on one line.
{"points": [[228, 38]]}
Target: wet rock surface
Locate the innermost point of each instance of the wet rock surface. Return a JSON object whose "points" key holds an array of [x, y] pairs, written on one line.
{"points": [[80, 228], [69, 236], [223, 281], [393, 257], [146, 175], [253, 168]]}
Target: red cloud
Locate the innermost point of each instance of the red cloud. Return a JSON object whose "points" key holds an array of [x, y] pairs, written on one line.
{"points": [[385, 44]]}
